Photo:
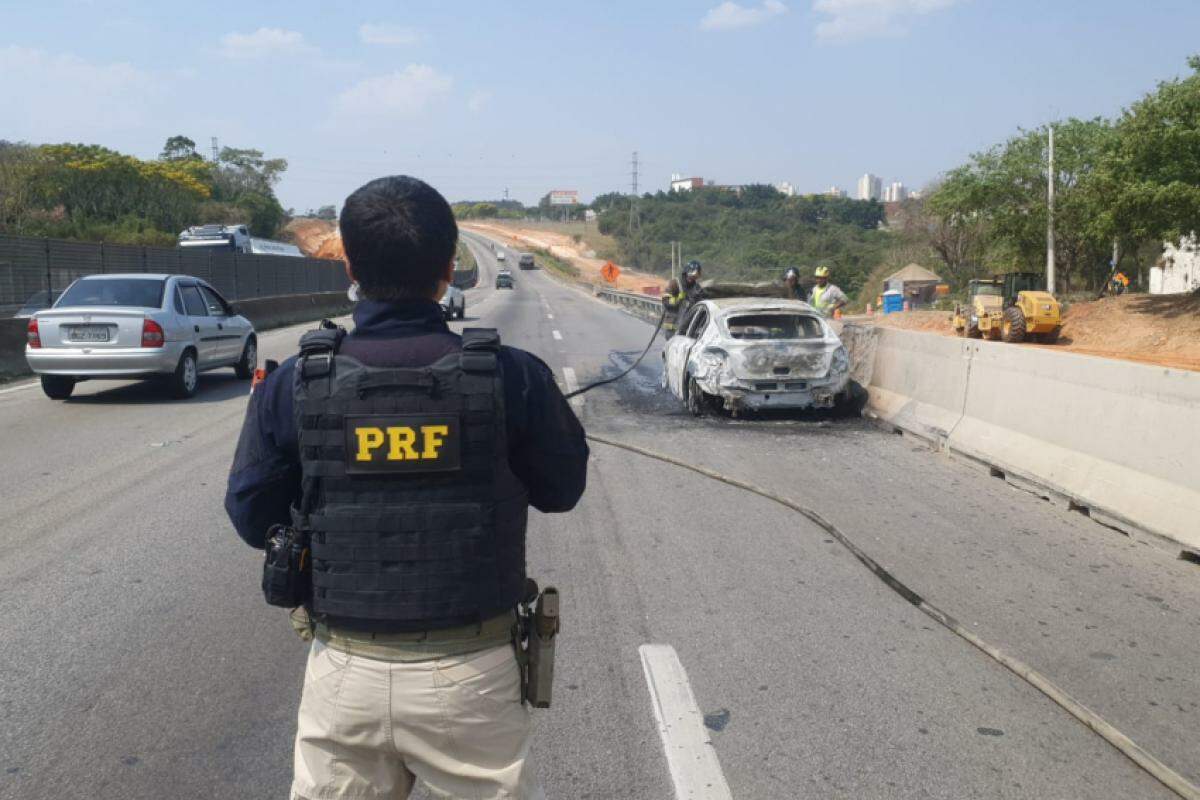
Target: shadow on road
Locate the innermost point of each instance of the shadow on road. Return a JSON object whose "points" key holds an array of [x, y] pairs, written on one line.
{"points": [[214, 388]]}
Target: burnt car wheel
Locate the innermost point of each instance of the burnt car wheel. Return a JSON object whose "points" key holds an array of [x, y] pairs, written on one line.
{"points": [[698, 403]]}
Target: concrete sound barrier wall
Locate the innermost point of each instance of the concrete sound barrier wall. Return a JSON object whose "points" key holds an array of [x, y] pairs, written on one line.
{"points": [[1115, 439]]}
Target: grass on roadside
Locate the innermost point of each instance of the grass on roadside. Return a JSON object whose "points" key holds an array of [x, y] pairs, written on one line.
{"points": [[548, 261], [466, 259]]}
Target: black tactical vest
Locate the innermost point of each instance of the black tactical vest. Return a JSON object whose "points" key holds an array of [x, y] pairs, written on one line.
{"points": [[417, 521]]}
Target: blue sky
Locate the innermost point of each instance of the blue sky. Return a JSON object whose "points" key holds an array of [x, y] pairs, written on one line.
{"points": [[479, 96]]}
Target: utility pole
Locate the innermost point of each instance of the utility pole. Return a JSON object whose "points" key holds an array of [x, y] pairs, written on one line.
{"points": [[634, 220], [1050, 218], [215, 149]]}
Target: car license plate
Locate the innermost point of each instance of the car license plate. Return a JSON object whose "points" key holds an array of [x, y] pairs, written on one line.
{"points": [[89, 333]]}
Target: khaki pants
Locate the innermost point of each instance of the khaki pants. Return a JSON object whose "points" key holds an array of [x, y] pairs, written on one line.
{"points": [[368, 728]]}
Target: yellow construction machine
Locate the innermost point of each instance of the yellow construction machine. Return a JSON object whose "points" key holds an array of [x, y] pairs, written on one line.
{"points": [[1013, 307]]}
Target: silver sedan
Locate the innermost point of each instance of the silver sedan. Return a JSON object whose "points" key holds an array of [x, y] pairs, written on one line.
{"points": [[171, 327]]}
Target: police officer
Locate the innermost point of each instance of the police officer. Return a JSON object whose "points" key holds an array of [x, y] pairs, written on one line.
{"points": [[411, 455], [825, 297]]}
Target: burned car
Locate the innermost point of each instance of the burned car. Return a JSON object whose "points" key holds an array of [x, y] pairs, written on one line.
{"points": [[755, 353]]}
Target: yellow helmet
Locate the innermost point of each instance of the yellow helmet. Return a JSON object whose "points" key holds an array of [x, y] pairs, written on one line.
{"points": [[822, 272]]}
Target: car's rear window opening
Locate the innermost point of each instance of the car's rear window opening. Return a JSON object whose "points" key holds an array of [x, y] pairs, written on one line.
{"points": [[136, 292], [775, 326]]}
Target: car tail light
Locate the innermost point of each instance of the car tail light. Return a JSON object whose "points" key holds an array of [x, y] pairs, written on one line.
{"points": [[31, 334], [152, 334]]}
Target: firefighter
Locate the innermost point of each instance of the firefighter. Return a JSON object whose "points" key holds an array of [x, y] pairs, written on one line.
{"points": [[791, 279], [672, 300]]}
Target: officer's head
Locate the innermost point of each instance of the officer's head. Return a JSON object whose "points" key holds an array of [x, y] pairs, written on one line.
{"points": [[399, 235], [693, 271], [822, 275], [672, 286], [792, 276]]}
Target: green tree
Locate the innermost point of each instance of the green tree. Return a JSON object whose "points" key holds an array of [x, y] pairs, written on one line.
{"points": [[179, 148], [1002, 192], [327, 213], [1152, 175]]}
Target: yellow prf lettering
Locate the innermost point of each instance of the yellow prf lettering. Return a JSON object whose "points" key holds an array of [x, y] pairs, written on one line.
{"points": [[369, 439], [401, 440], [434, 436]]}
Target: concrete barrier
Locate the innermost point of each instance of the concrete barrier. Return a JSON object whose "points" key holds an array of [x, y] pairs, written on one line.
{"points": [[12, 348], [919, 383], [265, 313], [1115, 439]]}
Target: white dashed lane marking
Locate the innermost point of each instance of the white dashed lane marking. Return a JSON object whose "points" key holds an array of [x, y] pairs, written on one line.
{"points": [[556, 335], [691, 759], [572, 384]]}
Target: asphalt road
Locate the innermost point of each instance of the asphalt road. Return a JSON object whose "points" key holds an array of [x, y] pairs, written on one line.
{"points": [[140, 662]]}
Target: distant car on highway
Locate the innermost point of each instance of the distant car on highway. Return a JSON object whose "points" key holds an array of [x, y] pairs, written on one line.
{"points": [[454, 303], [504, 280], [526, 261], [117, 326], [36, 302], [500, 255], [755, 353]]}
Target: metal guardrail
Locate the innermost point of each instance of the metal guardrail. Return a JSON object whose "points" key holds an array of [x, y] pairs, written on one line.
{"points": [[640, 304]]}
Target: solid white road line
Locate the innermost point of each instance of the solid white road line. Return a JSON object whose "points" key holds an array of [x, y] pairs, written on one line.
{"points": [[693, 763], [572, 384], [20, 388], [557, 335]]}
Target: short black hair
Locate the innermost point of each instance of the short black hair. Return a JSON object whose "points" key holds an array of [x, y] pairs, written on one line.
{"points": [[399, 234]]}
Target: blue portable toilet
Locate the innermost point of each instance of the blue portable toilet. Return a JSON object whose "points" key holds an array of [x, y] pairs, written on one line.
{"points": [[893, 301]]}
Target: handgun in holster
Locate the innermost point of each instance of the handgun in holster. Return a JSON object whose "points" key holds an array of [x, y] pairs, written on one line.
{"points": [[540, 626], [287, 568]]}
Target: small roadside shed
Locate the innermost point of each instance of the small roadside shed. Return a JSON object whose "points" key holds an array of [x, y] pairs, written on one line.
{"points": [[917, 284]]}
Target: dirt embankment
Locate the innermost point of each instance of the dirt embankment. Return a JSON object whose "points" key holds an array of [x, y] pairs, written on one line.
{"points": [[564, 247], [1153, 329], [318, 238]]}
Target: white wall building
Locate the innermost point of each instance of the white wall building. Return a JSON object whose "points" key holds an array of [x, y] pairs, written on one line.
{"points": [[783, 187], [682, 184], [835, 191], [1178, 270], [895, 192], [870, 187]]}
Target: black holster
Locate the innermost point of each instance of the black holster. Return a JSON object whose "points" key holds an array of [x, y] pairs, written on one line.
{"points": [[287, 568]]}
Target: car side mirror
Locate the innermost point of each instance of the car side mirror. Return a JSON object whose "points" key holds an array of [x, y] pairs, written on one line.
{"points": [[231, 310]]}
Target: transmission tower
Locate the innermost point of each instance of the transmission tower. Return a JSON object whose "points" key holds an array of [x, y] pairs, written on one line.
{"points": [[635, 222]]}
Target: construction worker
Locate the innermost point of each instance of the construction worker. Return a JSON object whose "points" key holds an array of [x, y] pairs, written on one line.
{"points": [[791, 279], [1120, 282], [825, 297], [672, 300]]}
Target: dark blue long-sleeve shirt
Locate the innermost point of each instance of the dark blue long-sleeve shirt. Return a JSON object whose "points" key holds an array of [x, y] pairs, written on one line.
{"points": [[546, 446]]}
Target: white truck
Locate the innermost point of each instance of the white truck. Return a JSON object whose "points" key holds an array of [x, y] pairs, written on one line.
{"points": [[236, 238]]}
